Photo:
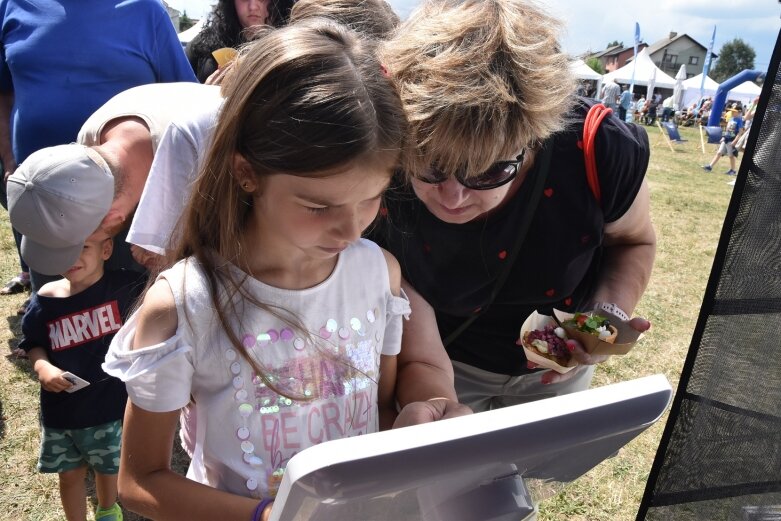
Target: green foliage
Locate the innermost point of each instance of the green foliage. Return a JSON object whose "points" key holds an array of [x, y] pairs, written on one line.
{"points": [[595, 65], [614, 43], [734, 57], [185, 22]]}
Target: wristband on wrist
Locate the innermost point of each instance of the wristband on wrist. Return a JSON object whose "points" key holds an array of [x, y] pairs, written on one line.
{"points": [[257, 514], [611, 308]]}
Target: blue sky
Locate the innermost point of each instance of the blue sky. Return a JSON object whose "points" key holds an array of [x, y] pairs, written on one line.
{"points": [[591, 25]]}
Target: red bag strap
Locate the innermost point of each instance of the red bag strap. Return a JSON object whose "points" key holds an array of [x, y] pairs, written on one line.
{"points": [[594, 118]]}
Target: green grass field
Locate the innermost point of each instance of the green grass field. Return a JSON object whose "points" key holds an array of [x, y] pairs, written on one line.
{"points": [[688, 207]]}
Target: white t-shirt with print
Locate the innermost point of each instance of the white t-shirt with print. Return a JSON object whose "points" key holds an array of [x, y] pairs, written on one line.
{"points": [[245, 432]]}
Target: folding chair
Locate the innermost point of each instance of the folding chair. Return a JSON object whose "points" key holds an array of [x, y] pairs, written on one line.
{"points": [[670, 133], [714, 136]]}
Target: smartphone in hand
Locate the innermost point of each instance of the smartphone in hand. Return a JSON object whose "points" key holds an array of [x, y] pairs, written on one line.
{"points": [[78, 382]]}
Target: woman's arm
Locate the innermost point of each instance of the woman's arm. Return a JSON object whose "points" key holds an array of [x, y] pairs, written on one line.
{"points": [[424, 368], [630, 248], [6, 151], [424, 375], [147, 484]]}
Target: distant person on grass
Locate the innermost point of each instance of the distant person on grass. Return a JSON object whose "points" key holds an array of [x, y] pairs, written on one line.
{"points": [[68, 326], [727, 145]]}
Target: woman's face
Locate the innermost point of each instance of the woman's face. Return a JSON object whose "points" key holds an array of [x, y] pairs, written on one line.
{"points": [[452, 202], [252, 12]]}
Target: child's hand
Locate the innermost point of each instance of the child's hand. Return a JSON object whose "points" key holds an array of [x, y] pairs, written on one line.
{"points": [[51, 377]]}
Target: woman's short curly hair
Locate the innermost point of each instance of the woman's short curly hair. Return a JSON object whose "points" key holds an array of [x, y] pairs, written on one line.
{"points": [[480, 80]]}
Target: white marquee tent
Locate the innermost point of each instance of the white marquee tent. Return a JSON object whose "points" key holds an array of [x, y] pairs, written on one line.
{"points": [[188, 34], [692, 89], [644, 72], [583, 71], [745, 92]]}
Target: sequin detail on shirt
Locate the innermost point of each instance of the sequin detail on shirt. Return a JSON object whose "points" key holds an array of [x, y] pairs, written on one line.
{"points": [[335, 381]]}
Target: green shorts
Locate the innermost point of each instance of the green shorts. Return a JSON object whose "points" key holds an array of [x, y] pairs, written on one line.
{"points": [[68, 449]]}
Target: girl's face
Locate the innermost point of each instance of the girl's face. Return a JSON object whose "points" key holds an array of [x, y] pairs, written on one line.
{"points": [[252, 12], [316, 218]]}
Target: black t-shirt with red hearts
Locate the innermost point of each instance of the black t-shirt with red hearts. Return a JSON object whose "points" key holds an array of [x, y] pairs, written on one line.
{"points": [[455, 266]]}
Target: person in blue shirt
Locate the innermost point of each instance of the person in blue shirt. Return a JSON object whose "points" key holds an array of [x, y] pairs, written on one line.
{"points": [[63, 59], [727, 145], [624, 103]]}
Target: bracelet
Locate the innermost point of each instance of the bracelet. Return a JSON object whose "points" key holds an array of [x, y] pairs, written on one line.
{"points": [[437, 398], [613, 309], [257, 514]]}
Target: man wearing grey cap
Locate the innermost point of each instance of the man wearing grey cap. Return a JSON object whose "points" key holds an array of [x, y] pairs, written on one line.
{"points": [[59, 196], [58, 193]]}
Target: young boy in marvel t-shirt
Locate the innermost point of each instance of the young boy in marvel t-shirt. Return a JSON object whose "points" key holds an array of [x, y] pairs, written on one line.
{"points": [[67, 329]]}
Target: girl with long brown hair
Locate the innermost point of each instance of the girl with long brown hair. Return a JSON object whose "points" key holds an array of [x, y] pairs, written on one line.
{"points": [[279, 324]]}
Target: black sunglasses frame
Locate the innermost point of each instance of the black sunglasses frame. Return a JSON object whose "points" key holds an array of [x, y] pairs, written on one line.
{"points": [[473, 182]]}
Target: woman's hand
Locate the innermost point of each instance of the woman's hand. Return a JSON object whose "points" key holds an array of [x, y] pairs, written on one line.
{"points": [[217, 76], [583, 357]]}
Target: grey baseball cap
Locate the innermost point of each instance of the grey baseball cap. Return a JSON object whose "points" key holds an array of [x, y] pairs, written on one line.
{"points": [[56, 198]]}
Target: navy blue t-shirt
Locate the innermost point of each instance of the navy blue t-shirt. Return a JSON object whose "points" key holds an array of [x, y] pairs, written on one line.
{"points": [[455, 266], [76, 332]]}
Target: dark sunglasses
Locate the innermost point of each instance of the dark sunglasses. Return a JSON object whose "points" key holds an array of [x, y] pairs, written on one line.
{"points": [[500, 173]]}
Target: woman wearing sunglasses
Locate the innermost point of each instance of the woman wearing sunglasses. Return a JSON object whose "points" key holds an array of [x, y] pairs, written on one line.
{"points": [[498, 219]]}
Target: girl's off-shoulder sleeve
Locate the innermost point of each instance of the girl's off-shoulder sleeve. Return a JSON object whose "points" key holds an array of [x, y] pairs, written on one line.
{"points": [[396, 308], [158, 377]]}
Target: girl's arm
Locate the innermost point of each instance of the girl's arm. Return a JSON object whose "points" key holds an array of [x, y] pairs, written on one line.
{"points": [[147, 484]]}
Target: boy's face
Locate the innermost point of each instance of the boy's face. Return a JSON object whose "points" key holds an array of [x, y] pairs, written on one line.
{"points": [[89, 267]]}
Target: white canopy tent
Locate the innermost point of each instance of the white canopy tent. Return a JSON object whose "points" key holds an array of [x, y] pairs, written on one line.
{"points": [[642, 74], [745, 92], [691, 87], [583, 71], [187, 35]]}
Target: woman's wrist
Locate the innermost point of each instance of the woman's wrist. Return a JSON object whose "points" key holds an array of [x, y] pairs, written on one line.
{"points": [[612, 308]]}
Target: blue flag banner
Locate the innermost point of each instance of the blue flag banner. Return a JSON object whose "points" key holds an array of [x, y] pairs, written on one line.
{"points": [[708, 59], [634, 61]]}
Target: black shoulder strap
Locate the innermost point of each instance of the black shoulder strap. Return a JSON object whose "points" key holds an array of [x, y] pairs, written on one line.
{"points": [[523, 227]]}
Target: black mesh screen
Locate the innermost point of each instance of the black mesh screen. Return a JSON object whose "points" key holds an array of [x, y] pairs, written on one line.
{"points": [[720, 455]]}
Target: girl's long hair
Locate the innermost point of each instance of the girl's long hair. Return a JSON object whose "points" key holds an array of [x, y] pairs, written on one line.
{"points": [[304, 100]]}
